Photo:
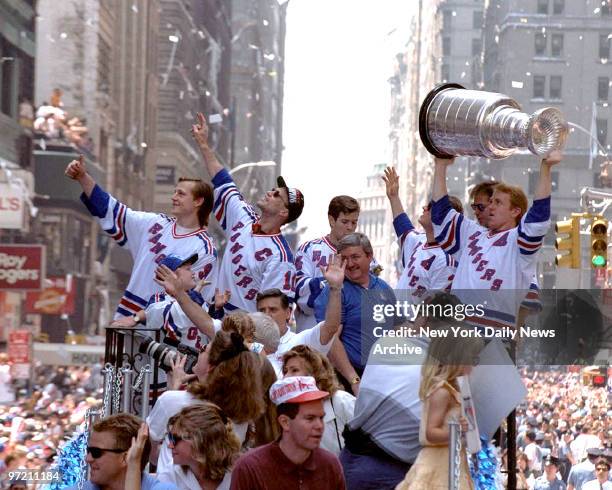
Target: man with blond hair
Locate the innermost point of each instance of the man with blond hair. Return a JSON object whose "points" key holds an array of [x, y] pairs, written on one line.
{"points": [[500, 257]]}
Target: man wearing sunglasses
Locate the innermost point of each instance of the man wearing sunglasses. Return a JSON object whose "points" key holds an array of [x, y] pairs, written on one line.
{"points": [[502, 257], [107, 451], [257, 256], [602, 477]]}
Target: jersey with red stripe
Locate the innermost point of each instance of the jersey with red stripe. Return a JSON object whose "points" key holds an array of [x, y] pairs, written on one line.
{"points": [[426, 267], [310, 256], [502, 262], [164, 312], [252, 261], [149, 237]]}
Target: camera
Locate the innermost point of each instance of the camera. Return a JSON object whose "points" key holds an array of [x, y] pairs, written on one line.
{"points": [[164, 354]]}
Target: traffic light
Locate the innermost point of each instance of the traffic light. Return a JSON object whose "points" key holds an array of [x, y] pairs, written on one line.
{"points": [[599, 242], [570, 242]]}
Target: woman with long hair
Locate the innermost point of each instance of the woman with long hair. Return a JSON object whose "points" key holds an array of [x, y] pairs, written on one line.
{"points": [[227, 375], [266, 427], [447, 359], [301, 360]]}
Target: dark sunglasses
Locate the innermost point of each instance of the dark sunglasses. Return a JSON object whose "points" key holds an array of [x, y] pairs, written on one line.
{"points": [[96, 452], [601, 468], [478, 207], [174, 439]]}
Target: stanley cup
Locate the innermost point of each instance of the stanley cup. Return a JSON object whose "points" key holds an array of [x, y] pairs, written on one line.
{"points": [[455, 121]]}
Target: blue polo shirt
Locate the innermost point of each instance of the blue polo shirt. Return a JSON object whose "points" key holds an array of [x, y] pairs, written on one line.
{"points": [[358, 334]]}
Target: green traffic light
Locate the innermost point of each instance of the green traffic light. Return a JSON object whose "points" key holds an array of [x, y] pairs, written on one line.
{"points": [[598, 261]]}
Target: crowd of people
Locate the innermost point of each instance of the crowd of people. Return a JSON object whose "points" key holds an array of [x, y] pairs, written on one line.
{"points": [[287, 391]]}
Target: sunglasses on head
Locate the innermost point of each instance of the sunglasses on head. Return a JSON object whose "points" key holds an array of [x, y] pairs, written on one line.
{"points": [[96, 452], [478, 207]]}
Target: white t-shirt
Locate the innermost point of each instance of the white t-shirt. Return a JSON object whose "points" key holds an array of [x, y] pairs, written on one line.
{"points": [[189, 481], [336, 417], [310, 337], [169, 404]]}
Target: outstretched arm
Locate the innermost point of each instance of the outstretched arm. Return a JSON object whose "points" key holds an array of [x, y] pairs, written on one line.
{"points": [[76, 171], [439, 178], [544, 187], [199, 132]]}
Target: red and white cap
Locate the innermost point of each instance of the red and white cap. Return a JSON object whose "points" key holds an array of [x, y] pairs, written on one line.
{"points": [[296, 389]]}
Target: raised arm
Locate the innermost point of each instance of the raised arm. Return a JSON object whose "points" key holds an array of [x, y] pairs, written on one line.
{"points": [[200, 135], [76, 171], [200, 318], [391, 180], [439, 179], [334, 275], [544, 187]]}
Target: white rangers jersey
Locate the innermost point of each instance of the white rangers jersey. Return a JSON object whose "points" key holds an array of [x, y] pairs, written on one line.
{"points": [[501, 262], [310, 256], [252, 261], [149, 237], [164, 312], [426, 267]]}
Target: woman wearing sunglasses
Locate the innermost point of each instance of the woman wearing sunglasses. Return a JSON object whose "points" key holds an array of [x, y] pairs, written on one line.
{"points": [[227, 375]]}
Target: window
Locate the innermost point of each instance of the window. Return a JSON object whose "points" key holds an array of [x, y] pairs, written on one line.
{"points": [[447, 19], [558, 6], [539, 83], [556, 45], [542, 6], [446, 46], [602, 131], [540, 44], [555, 87], [477, 19], [603, 88], [604, 46], [476, 46]]}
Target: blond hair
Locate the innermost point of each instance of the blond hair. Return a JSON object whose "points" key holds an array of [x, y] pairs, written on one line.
{"points": [[446, 359], [318, 367], [518, 199], [240, 322], [215, 445]]}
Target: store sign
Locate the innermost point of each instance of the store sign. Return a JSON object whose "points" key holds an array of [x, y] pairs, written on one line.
{"points": [[19, 346], [57, 297], [22, 267], [12, 207]]}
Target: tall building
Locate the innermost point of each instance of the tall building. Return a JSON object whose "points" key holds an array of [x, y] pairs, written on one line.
{"points": [[194, 54], [17, 58], [257, 80], [409, 86], [554, 53]]}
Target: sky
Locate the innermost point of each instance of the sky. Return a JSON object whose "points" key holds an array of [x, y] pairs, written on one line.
{"points": [[338, 58]]}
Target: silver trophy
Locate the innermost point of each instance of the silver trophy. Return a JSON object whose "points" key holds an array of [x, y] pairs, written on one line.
{"points": [[455, 121]]}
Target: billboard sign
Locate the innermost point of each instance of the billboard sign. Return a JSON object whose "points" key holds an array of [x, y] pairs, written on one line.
{"points": [[22, 267]]}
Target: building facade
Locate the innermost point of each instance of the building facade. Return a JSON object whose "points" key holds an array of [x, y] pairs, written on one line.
{"points": [[554, 53]]}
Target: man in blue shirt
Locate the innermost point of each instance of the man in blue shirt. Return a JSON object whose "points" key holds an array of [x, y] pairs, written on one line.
{"points": [[107, 451], [363, 294]]}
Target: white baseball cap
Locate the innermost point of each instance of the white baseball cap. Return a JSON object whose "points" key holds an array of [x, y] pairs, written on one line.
{"points": [[296, 389]]}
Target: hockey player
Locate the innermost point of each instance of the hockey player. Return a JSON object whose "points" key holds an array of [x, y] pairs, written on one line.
{"points": [[257, 256], [342, 214], [150, 237], [502, 258], [426, 266]]}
